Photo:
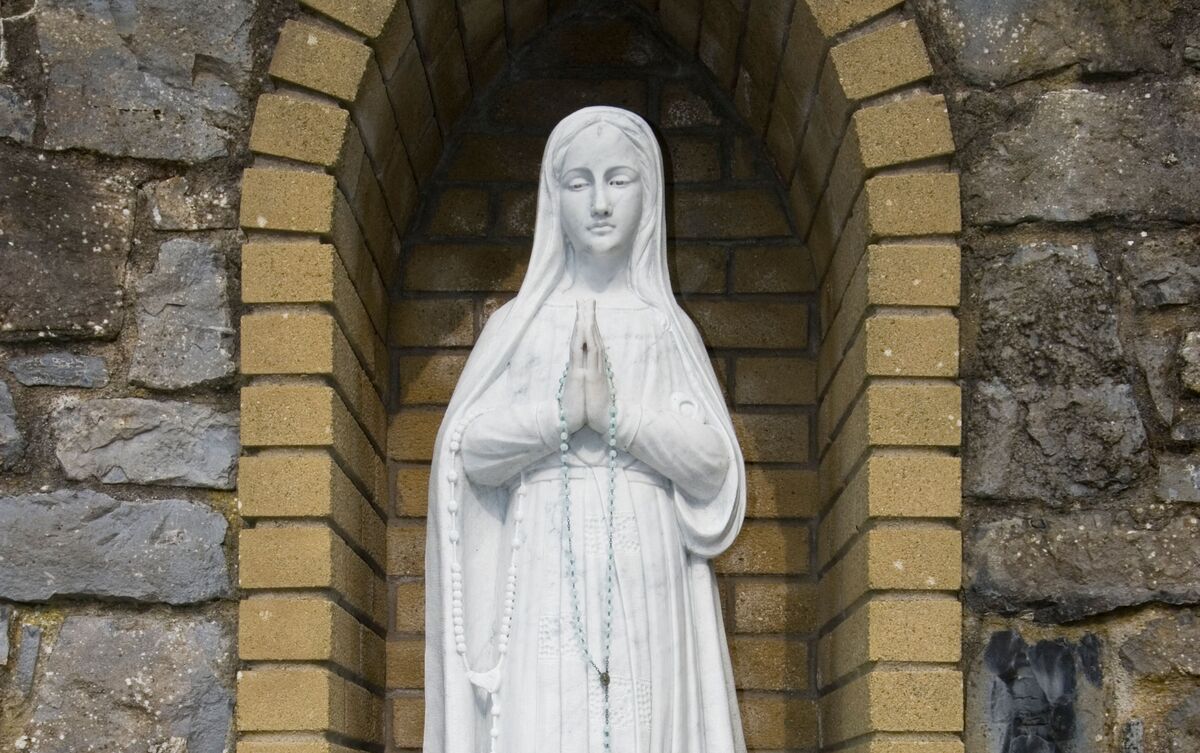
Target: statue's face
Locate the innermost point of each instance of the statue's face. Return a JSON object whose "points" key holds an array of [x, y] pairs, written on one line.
{"points": [[600, 193]]}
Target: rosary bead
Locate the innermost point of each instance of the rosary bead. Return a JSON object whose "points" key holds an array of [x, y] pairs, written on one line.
{"points": [[452, 505], [452, 475], [461, 648], [454, 445], [453, 536]]}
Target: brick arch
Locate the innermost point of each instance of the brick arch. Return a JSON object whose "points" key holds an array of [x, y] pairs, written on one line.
{"points": [[369, 96]]}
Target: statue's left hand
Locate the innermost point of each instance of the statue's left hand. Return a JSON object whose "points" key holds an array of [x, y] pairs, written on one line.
{"points": [[596, 383]]}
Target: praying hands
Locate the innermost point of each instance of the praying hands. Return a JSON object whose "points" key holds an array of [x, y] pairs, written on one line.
{"points": [[586, 394]]}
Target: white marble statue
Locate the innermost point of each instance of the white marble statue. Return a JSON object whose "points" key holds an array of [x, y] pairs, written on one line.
{"points": [[584, 475]]}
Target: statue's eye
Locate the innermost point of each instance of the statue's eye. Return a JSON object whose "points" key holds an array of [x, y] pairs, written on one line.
{"points": [[577, 184]]}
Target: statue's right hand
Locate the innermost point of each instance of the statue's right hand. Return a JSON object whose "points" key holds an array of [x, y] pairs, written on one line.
{"points": [[574, 407]]}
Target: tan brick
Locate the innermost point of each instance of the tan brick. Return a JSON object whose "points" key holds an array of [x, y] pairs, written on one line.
{"points": [[311, 416], [461, 212], [438, 322], [721, 26], [412, 104], [876, 62], [912, 345], [413, 432], [773, 437], [681, 20], [309, 484], [767, 25], [428, 379], [773, 606], [319, 59], [774, 721], [287, 273], [745, 324], [300, 129], [394, 39], [313, 343], [406, 664], [913, 204], [406, 550], [693, 158], [891, 485], [773, 269], [487, 157], [292, 557], [433, 22], [769, 662], [910, 129], [314, 700], [892, 629], [412, 491], [785, 129], [913, 275], [886, 700], [697, 267], [925, 414], [408, 721], [738, 213], [767, 548], [451, 268], [449, 82], [482, 25], [836, 16], [409, 606], [293, 744], [293, 200], [894, 745], [780, 492], [893, 557], [286, 629], [775, 381], [365, 16]]}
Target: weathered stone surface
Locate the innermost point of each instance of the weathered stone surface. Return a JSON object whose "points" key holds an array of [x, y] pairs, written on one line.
{"points": [[1047, 315], [5, 615], [12, 444], [64, 239], [1042, 693], [59, 369], [1166, 647], [1056, 445], [27, 658], [174, 204], [137, 441], [1163, 270], [1189, 356], [1179, 478], [1080, 154], [184, 334], [999, 42], [1064, 567], [156, 79], [17, 117], [83, 543], [1180, 731], [133, 683], [1155, 355]]}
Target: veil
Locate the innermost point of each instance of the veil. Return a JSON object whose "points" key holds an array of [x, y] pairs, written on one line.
{"points": [[452, 704]]}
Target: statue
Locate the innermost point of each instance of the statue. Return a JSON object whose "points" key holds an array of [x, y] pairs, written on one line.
{"points": [[584, 475]]}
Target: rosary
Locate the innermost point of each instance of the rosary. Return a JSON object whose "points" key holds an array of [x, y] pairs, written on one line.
{"points": [[490, 679], [601, 666]]}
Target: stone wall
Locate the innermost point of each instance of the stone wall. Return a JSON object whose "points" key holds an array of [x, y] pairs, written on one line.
{"points": [[1077, 125], [123, 131]]}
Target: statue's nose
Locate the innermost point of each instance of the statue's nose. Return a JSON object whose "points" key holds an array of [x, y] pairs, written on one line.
{"points": [[601, 205]]}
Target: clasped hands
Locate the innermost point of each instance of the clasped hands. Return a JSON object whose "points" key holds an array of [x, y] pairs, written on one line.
{"points": [[586, 396]]}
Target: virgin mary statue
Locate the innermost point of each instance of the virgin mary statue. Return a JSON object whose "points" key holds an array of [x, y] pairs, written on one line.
{"points": [[585, 474]]}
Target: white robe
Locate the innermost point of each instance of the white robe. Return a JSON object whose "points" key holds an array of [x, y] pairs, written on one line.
{"points": [[671, 687]]}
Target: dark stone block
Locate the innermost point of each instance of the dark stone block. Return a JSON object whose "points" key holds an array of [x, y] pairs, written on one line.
{"points": [[64, 239]]}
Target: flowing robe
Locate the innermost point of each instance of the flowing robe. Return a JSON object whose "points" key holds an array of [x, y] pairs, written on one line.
{"points": [[671, 688]]}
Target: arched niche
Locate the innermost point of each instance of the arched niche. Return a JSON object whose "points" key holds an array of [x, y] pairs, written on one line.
{"points": [[813, 212]]}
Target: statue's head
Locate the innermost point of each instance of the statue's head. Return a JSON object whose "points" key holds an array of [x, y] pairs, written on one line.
{"points": [[602, 172]]}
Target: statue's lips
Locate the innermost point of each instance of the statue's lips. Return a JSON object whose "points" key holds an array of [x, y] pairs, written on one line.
{"points": [[601, 228]]}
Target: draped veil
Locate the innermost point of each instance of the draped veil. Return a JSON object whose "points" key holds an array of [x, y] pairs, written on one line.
{"points": [[452, 704]]}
